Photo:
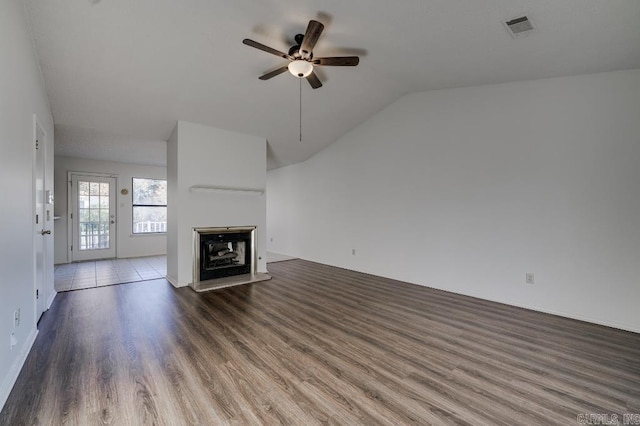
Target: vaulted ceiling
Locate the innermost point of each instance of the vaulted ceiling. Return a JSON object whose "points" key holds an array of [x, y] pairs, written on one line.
{"points": [[120, 73]]}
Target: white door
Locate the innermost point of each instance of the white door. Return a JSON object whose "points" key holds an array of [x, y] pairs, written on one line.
{"points": [[42, 223], [93, 218]]}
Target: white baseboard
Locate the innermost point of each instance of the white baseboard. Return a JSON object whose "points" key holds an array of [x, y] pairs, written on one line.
{"points": [[174, 282], [51, 297], [611, 324], [598, 321], [12, 376]]}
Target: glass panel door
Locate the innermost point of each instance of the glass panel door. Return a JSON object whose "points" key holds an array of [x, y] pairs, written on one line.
{"points": [[94, 219]]}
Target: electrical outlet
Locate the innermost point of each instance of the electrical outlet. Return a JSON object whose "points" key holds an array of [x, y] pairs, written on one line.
{"points": [[16, 318], [12, 340], [529, 278]]}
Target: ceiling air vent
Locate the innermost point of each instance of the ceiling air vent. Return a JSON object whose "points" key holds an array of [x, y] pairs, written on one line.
{"points": [[519, 27]]}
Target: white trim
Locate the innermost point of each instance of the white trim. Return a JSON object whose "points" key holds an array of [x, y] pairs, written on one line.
{"points": [[51, 297], [70, 208], [14, 371], [174, 282], [39, 239], [625, 327], [619, 326], [69, 220]]}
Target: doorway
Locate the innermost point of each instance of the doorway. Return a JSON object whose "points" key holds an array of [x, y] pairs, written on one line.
{"points": [[93, 218]]}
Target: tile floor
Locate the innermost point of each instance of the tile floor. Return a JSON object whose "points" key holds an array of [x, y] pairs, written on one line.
{"points": [[98, 273], [75, 276]]}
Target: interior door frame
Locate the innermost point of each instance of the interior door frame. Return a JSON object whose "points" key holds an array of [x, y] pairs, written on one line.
{"points": [[70, 221], [45, 223]]}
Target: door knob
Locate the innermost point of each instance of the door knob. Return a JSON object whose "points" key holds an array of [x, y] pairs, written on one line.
{"points": [[43, 232]]}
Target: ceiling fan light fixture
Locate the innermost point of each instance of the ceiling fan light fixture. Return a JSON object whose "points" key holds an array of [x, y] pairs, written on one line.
{"points": [[300, 68]]}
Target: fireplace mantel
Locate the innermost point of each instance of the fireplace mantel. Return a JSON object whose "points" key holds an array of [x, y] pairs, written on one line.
{"points": [[220, 189]]}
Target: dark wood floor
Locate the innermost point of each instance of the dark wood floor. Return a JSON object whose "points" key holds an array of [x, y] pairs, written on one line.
{"points": [[316, 345]]}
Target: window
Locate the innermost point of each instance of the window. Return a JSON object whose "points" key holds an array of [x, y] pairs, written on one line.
{"points": [[149, 206]]}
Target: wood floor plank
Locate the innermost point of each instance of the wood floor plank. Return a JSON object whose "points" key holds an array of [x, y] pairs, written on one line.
{"points": [[316, 345]]}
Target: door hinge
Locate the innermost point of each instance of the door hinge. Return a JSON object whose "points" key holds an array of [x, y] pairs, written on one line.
{"points": [[70, 215], [37, 144], [72, 248], [37, 294]]}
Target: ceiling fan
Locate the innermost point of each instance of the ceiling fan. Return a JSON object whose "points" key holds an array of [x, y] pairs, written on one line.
{"points": [[300, 56]]}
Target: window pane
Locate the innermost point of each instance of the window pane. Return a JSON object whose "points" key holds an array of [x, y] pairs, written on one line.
{"points": [[83, 188], [150, 191], [149, 219], [93, 215]]}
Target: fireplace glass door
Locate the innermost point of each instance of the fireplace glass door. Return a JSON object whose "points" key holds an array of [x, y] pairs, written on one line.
{"points": [[225, 254]]}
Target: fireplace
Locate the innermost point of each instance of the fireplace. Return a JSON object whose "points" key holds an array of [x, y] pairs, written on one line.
{"points": [[224, 257]]}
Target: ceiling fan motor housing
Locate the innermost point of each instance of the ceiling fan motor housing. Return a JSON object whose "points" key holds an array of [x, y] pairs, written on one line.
{"points": [[294, 50]]}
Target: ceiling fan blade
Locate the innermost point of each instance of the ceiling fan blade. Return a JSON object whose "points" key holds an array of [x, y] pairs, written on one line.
{"points": [[264, 48], [314, 81], [273, 73], [338, 61], [314, 29]]}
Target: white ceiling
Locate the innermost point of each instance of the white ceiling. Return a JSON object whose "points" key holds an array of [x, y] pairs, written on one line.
{"points": [[120, 73]]}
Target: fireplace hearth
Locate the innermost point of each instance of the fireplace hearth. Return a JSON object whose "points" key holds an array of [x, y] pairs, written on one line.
{"points": [[224, 257]]}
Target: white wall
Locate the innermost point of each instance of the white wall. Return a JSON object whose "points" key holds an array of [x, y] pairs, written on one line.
{"points": [[469, 189], [206, 156], [174, 209], [21, 96], [127, 244]]}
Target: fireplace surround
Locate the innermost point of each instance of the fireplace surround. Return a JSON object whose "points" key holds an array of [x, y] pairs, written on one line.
{"points": [[224, 256]]}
